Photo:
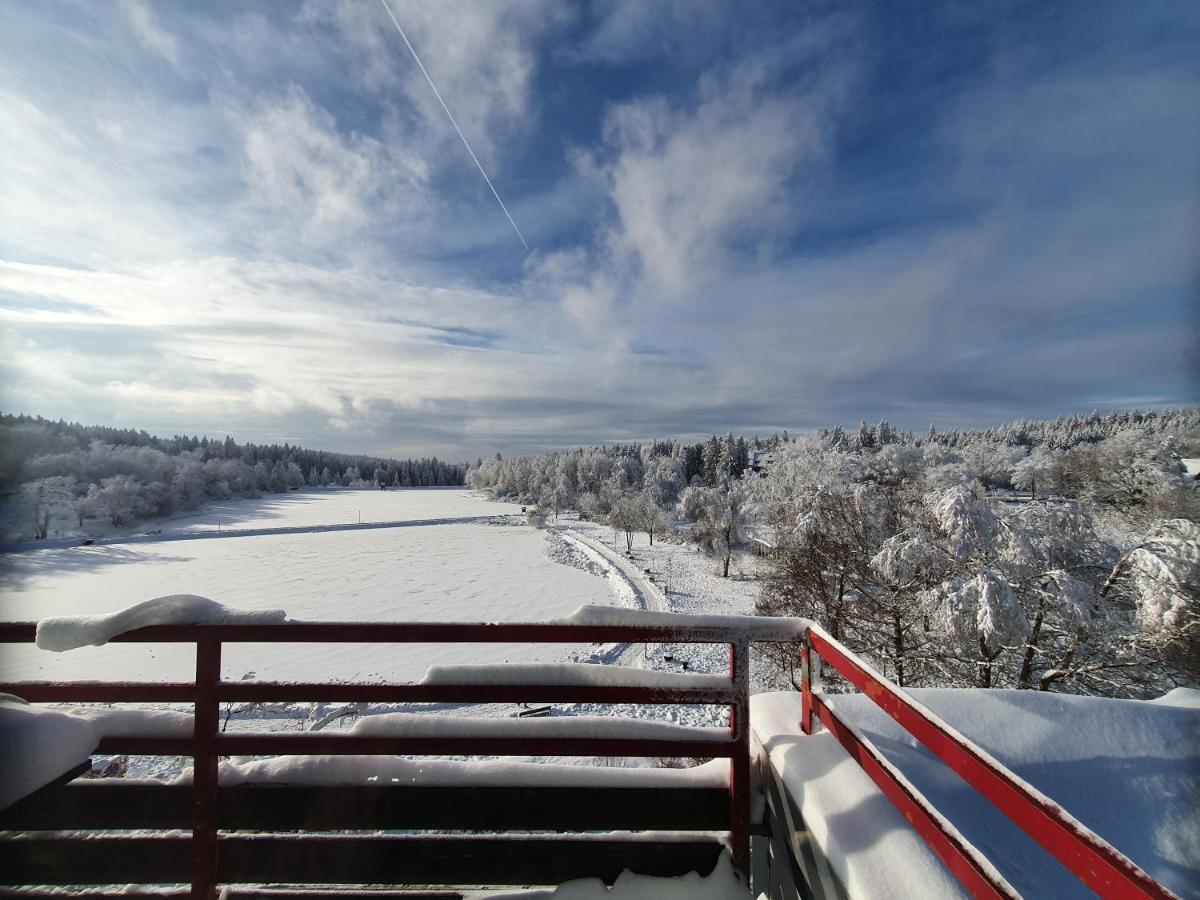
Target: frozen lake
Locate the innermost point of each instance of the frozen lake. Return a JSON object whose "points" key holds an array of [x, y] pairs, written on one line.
{"points": [[460, 572], [336, 506]]}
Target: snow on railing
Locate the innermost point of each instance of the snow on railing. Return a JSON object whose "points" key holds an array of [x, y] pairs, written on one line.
{"points": [[209, 626], [1088, 856]]}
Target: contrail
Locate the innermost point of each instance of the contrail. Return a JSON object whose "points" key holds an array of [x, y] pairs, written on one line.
{"points": [[449, 116]]}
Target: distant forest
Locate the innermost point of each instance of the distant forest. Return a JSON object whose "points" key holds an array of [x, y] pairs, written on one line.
{"points": [[62, 471]]}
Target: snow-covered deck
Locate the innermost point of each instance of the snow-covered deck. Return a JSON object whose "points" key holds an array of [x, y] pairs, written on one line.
{"points": [[1129, 770]]}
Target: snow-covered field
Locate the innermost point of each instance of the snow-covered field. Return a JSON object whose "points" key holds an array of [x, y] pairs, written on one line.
{"points": [[339, 506], [495, 568], [460, 572]]}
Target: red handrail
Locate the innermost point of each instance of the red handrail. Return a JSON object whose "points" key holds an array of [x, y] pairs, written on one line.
{"points": [[208, 691], [1084, 853]]}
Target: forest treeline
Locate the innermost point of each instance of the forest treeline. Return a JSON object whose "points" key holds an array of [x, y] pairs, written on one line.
{"points": [[1051, 555], [55, 474]]}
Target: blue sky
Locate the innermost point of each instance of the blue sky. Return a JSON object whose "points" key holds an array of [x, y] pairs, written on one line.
{"points": [[256, 219]]}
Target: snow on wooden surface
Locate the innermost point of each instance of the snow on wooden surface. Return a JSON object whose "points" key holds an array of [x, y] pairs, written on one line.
{"points": [[617, 728], [38, 745], [873, 851], [747, 627], [723, 883], [122, 722], [1128, 770], [384, 770], [71, 632], [570, 674]]}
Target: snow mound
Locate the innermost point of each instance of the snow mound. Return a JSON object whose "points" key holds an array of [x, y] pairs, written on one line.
{"points": [[37, 746], [1127, 769], [749, 627], [70, 632], [364, 770], [722, 883], [569, 674], [417, 725], [117, 722], [568, 553], [1188, 698]]}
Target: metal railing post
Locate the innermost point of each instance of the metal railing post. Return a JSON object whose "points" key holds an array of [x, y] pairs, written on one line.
{"points": [[204, 772], [739, 762], [810, 682]]}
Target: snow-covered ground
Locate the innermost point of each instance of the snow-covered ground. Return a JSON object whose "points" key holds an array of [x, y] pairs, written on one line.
{"points": [[462, 572], [499, 569], [683, 580], [339, 506]]}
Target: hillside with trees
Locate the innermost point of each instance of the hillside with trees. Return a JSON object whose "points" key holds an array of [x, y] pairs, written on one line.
{"points": [[1052, 555], [58, 476]]}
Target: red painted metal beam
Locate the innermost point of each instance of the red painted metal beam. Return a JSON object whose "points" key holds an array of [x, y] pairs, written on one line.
{"points": [[739, 762], [204, 778], [324, 744], [310, 743], [294, 692], [240, 691], [415, 633], [1093, 860], [101, 691]]}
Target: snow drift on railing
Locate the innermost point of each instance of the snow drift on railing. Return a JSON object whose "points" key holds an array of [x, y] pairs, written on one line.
{"points": [[385, 770], [69, 632], [417, 725], [38, 746], [767, 628], [722, 883], [117, 722], [573, 674]]}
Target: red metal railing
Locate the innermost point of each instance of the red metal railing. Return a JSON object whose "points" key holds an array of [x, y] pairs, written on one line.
{"points": [[207, 743], [1089, 857]]}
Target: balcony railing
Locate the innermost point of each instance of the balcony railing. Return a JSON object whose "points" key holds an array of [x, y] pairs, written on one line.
{"points": [[662, 830], [1088, 856], [489, 834]]}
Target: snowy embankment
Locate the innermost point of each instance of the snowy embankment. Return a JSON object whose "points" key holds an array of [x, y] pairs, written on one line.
{"points": [[677, 578], [1127, 769]]}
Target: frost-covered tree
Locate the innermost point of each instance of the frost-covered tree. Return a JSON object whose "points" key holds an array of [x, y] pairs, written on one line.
{"points": [[721, 517], [1038, 468]]}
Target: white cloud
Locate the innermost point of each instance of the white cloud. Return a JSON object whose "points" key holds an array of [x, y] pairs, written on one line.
{"points": [[690, 184], [629, 30], [149, 32], [480, 55], [299, 161]]}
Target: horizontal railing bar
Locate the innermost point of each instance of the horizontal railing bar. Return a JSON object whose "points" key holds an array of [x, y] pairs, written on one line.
{"points": [[245, 893], [346, 744], [316, 744], [249, 691], [1093, 860], [120, 804], [101, 691], [294, 692], [420, 633], [392, 859]]}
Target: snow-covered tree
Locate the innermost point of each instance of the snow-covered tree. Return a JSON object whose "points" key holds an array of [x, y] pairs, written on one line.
{"points": [[721, 517]]}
